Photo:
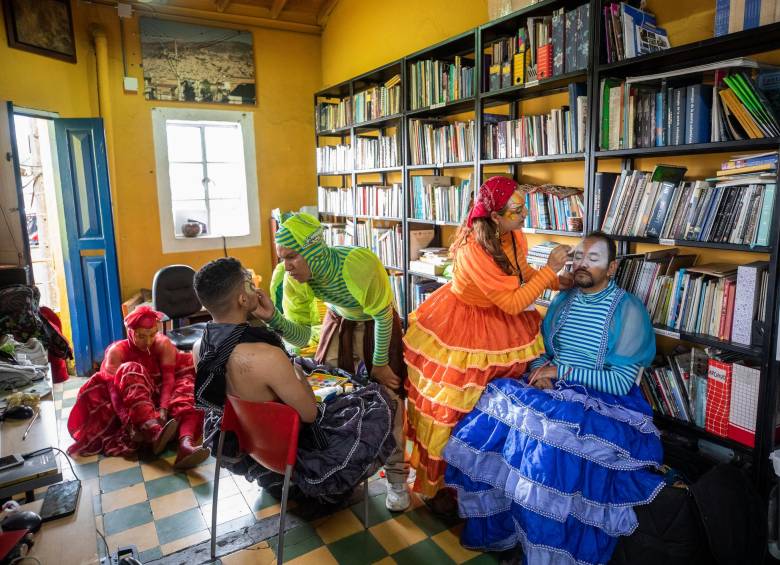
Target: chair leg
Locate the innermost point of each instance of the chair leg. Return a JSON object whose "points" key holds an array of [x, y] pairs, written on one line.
{"points": [[283, 514], [215, 497], [365, 504]]}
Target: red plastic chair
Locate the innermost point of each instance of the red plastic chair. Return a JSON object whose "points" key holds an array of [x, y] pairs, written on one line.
{"points": [[268, 433]]}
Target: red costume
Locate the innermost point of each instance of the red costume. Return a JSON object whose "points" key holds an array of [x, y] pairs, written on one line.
{"points": [[119, 407]]}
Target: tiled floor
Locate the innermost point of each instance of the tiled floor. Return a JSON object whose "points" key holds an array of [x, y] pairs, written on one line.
{"points": [[160, 511]]}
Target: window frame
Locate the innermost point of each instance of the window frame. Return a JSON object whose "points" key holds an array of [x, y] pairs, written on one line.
{"points": [[171, 243]]}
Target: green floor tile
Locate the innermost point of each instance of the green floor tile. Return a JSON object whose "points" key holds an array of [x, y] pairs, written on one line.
{"points": [[126, 518], [297, 542], [429, 523], [166, 485], [150, 554], [358, 549], [97, 505], [377, 511], [85, 471], [179, 525], [121, 479], [424, 553]]}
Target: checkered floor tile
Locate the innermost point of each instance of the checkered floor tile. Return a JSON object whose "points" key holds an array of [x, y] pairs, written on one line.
{"points": [[148, 504]]}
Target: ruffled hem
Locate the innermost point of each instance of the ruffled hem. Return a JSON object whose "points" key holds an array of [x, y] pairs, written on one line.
{"points": [[615, 517], [428, 483], [462, 400], [425, 431], [585, 434], [461, 362], [516, 329]]}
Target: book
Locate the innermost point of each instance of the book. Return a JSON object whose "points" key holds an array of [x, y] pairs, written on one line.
{"points": [[743, 404], [699, 111], [604, 184], [748, 292], [718, 397]]}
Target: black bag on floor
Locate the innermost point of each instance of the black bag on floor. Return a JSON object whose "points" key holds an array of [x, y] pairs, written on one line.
{"points": [[719, 519]]}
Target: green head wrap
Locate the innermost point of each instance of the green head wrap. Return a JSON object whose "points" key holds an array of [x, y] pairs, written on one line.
{"points": [[299, 232]]}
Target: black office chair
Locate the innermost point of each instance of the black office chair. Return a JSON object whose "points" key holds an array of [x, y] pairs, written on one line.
{"points": [[174, 296]]}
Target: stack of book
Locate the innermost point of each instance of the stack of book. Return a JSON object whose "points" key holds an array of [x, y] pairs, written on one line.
{"points": [[397, 286], [552, 207], [376, 152], [537, 257], [735, 207], [737, 15], [438, 142], [339, 201], [387, 243], [379, 201], [631, 32], [433, 261], [437, 82], [437, 199], [378, 101], [717, 392], [334, 113], [421, 290], [737, 99], [334, 159], [560, 132], [335, 234], [721, 300]]}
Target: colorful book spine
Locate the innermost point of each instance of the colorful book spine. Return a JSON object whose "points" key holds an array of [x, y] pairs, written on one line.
{"points": [[718, 397]]}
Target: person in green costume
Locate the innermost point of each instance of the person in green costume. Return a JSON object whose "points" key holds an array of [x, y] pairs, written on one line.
{"points": [[360, 323], [299, 306]]}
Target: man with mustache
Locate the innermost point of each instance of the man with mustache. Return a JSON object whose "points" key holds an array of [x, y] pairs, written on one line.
{"points": [[559, 466], [575, 356]]}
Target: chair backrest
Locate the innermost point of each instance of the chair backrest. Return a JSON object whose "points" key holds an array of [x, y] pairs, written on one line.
{"points": [[173, 293], [267, 431]]}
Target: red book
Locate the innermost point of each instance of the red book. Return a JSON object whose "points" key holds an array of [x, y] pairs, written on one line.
{"points": [[724, 320], [716, 419], [544, 61], [731, 285]]}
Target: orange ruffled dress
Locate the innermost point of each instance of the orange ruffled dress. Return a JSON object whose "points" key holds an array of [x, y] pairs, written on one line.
{"points": [[480, 326]]}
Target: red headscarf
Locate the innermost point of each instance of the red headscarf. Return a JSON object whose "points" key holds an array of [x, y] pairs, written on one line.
{"points": [[143, 317], [493, 195]]}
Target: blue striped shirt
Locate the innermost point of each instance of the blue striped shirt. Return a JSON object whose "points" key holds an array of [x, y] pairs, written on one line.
{"points": [[577, 346]]}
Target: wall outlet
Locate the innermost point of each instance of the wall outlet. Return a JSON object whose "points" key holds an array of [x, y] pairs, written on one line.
{"points": [[131, 84]]}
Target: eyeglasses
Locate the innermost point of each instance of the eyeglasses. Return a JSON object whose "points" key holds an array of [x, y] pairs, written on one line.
{"points": [[517, 210]]}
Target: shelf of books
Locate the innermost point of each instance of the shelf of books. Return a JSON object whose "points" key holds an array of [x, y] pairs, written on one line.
{"points": [[683, 173], [657, 129]]}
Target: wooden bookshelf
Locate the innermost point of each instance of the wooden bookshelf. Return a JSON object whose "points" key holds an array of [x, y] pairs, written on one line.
{"points": [[582, 165]]}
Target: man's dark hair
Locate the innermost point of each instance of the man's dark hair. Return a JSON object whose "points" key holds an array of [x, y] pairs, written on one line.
{"points": [[216, 282], [611, 246]]}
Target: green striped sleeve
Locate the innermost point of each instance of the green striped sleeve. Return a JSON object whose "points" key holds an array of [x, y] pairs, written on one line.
{"points": [[294, 334], [383, 329]]}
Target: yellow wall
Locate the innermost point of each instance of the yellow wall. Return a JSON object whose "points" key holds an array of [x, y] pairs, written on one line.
{"points": [[364, 34], [287, 69]]}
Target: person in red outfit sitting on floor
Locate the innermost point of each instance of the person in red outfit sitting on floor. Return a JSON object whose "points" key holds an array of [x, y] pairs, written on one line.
{"points": [[142, 395]]}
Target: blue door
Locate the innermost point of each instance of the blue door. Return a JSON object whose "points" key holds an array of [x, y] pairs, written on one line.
{"points": [[88, 239]]}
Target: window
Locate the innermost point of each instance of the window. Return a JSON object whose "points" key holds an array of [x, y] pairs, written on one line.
{"points": [[206, 179]]}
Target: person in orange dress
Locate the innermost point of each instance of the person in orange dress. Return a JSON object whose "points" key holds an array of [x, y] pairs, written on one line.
{"points": [[480, 326]]}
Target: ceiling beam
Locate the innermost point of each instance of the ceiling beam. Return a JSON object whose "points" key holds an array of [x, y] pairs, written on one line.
{"points": [[325, 9], [222, 5], [277, 8]]}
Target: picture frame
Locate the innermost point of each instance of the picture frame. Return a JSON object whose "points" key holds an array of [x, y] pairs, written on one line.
{"points": [[43, 27]]}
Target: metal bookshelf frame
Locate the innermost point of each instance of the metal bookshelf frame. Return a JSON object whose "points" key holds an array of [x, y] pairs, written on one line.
{"points": [[743, 43]]}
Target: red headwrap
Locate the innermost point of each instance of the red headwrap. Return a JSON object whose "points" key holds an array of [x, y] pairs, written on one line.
{"points": [[493, 195], [143, 317]]}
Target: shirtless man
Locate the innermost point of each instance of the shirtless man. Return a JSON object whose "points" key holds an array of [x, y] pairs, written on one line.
{"points": [[352, 435], [236, 349]]}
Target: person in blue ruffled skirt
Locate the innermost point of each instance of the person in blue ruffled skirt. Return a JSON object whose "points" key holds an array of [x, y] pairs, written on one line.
{"points": [[557, 461]]}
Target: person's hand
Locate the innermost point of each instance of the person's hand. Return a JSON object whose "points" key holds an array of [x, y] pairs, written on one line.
{"points": [[265, 308], [384, 375], [558, 257], [565, 280], [164, 415], [543, 377]]}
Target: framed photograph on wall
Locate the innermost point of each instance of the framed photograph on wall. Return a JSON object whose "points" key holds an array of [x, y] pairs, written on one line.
{"points": [[44, 27], [195, 63]]}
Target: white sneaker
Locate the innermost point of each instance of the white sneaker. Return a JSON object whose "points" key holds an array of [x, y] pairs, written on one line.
{"points": [[398, 498]]}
